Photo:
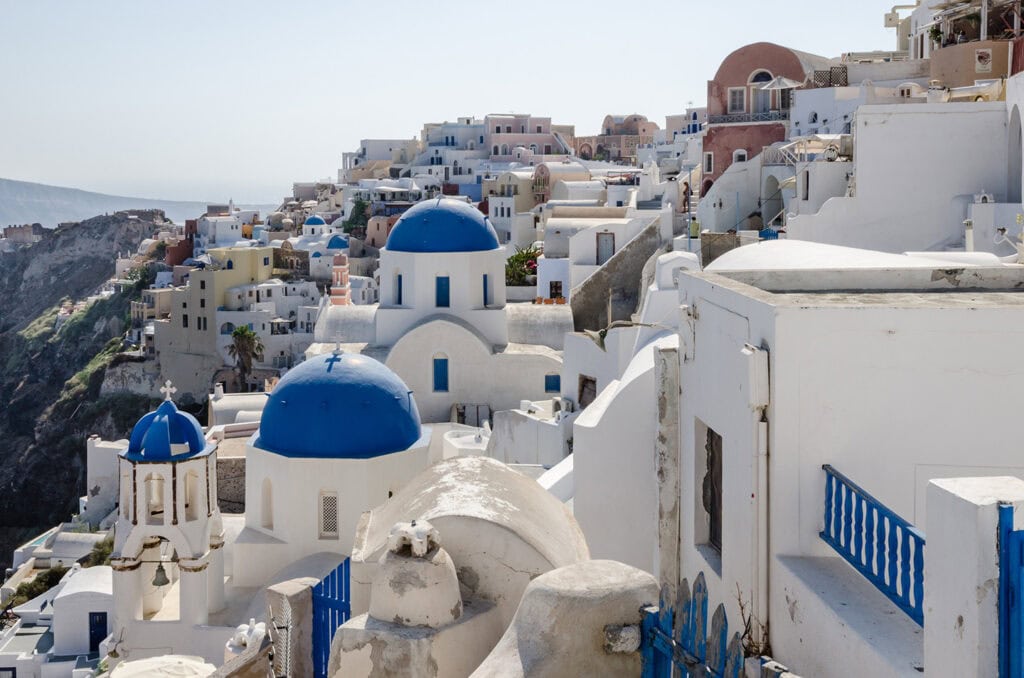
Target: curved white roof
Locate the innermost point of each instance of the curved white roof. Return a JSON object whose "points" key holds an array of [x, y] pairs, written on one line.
{"points": [[779, 255]]}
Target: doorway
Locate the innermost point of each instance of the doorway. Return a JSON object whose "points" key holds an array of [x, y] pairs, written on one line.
{"points": [[605, 247], [97, 630]]}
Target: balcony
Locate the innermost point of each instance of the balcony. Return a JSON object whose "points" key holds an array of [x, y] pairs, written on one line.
{"points": [[767, 116]]}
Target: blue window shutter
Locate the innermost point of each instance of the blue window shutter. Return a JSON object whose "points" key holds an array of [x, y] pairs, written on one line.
{"points": [[443, 292], [441, 374], [485, 289], [398, 290], [552, 383]]}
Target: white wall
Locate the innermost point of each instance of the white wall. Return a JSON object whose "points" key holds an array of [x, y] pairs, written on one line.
{"points": [[296, 484], [419, 272], [476, 373], [916, 167]]}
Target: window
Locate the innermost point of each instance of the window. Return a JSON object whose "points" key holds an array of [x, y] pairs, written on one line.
{"points": [[587, 391], [202, 303], [552, 383], [154, 484], [508, 129], [486, 291], [184, 321], [538, 129], [231, 264], [739, 155], [267, 505], [192, 496], [497, 129], [709, 163], [737, 99], [440, 375], [481, 138], [710, 472], [202, 284], [807, 184], [328, 515], [398, 290], [761, 77], [442, 296], [554, 289]]}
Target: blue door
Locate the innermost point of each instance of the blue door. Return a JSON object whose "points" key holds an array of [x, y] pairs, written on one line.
{"points": [[97, 630], [331, 609], [443, 288]]}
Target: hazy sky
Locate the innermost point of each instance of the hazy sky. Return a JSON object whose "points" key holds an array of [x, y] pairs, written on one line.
{"points": [[205, 100]]}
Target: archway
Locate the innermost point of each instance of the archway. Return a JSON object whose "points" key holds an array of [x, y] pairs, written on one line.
{"points": [[771, 200], [1014, 172], [705, 187], [586, 151]]}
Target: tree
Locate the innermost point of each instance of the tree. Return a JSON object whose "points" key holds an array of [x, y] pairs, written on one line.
{"points": [[245, 347], [358, 218]]}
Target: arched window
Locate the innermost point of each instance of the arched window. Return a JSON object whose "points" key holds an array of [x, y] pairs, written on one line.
{"points": [[739, 155], [193, 496], [494, 151], [267, 505], [760, 76], [812, 118], [154, 506], [504, 149], [227, 328], [231, 264]]}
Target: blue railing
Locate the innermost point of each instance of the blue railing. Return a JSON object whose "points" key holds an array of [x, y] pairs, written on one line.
{"points": [[879, 544], [1011, 596]]}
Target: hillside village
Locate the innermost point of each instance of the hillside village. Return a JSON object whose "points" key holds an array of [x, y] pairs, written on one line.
{"points": [[504, 400]]}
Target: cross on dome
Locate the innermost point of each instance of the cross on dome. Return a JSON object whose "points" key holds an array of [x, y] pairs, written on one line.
{"points": [[168, 390]]}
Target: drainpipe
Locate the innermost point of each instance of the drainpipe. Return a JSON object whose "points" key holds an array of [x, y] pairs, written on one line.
{"points": [[758, 398]]}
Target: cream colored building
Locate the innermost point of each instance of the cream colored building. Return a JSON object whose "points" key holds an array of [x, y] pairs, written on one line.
{"points": [[186, 342]]}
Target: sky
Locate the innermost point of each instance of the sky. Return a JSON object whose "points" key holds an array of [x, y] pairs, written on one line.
{"points": [[201, 100]]}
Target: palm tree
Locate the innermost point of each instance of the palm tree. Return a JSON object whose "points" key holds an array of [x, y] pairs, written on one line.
{"points": [[244, 348]]}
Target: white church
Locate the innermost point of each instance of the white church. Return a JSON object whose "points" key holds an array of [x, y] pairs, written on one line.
{"points": [[444, 323]]}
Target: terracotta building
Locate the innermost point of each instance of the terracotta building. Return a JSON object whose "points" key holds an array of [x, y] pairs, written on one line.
{"points": [[749, 101]]}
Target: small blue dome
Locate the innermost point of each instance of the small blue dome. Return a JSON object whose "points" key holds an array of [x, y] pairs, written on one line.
{"points": [[339, 406], [315, 221], [316, 254], [337, 243], [442, 225], [155, 434]]}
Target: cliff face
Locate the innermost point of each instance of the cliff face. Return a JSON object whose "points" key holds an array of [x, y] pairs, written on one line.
{"points": [[50, 379]]}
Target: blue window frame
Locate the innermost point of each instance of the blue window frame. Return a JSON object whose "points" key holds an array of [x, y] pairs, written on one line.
{"points": [[443, 292], [441, 375], [486, 300], [552, 383], [266, 260], [398, 290]]}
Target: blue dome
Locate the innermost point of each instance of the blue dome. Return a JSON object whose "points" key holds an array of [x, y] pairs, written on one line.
{"points": [[316, 254], [315, 221], [442, 225], [337, 243], [339, 406], [156, 432]]}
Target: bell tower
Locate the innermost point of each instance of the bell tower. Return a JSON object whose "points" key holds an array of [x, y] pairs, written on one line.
{"points": [[168, 556]]}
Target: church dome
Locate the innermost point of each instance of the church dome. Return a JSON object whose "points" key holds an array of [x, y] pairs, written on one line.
{"points": [[337, 242], [166, 434], [315, 221], [442, 225], [339, 406]]}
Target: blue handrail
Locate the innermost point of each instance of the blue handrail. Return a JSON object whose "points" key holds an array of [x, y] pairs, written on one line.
{"points": [[879, 544]]}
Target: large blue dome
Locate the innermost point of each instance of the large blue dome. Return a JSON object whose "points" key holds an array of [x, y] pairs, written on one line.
{"points": [[315, 221], [442, 225], [339, 406], [166, 434]]}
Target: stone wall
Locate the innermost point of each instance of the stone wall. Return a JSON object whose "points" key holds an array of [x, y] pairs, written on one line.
{"points": [[231, 484], [615, 287]]}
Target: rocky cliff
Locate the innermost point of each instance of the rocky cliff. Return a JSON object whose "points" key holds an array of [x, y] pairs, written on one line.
{"points": [[50, 378]]}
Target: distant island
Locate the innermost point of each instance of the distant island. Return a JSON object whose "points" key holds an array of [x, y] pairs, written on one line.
{"points": [[24, 202]]}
